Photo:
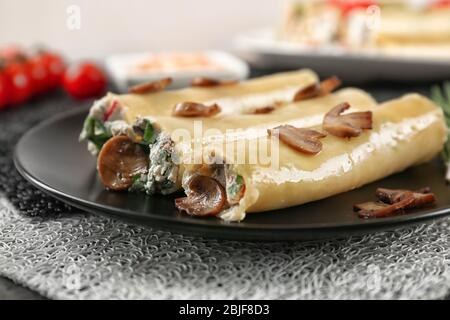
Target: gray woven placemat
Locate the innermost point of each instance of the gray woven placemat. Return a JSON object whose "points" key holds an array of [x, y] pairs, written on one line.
{"points": [[79, 256], [63, 253]]}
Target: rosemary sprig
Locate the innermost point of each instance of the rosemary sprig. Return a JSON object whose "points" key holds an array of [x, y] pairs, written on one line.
{"points": [[442, 98]]}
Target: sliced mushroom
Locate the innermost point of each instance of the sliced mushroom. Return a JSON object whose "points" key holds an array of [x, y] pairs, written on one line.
{"points": [[300, 139], [210, 82], [119, 161], [318, 89], [347, 125], [380, 209], [194, 109], [309, 92], [152, 86], [262, 110], [422, 197], [206, 197], [329, 85]]}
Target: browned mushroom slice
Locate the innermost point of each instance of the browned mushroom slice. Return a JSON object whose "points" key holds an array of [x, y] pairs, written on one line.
{"points": [[329, 85], [318, 89], [152, 86], [380, 209], [210, 82], [347, 125], [194, 109], [309, 92], [119, 161], [422, 197], [300, 139], [206, 197], [424, 190], [262, 110]]}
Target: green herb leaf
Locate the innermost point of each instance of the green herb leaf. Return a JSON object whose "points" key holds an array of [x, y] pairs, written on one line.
{"points": [[442, 98], [236, 186], [88, 127], [148, 133], [138, 184], [96, 132]]}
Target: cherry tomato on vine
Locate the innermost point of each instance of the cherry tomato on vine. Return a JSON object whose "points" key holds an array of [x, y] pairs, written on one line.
{"points": [[39, 75], [19, 82], [84, 80], [4, 91], [10, 53], [55, 68]]}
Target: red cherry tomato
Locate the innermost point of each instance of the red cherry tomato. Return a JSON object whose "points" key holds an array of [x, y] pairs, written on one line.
{"points": [[29, 69], [84, 80], [4, 91], [55, 67], [11, 52], [19, 82], [39, 75], [346, 6], [440, 4]]}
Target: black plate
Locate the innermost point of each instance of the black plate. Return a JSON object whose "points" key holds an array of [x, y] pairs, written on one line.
{"points": [[51, 158]]}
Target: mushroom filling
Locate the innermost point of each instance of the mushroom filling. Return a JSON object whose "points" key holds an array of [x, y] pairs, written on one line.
{"points": [[161, 172], [119, 161], [206, 197], [211, 190]]}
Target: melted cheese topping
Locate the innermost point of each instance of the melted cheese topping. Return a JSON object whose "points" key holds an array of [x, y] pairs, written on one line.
{"points": [[406, 132]]}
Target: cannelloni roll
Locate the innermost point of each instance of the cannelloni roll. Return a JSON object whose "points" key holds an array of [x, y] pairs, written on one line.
{"points": [[144, 154], [404, 132], [115, 114], [164, 139]]}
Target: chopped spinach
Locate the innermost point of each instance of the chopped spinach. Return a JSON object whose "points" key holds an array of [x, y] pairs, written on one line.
{"points": [[149, 133], [236, 186], [95, 132], [165, 156], [138, 183], [167, 185]]}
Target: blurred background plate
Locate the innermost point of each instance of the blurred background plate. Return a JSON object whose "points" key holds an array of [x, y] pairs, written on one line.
{"points": [[261, 49]]}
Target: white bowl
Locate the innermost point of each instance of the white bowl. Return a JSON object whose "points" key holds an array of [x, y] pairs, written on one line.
{"points": [[118, 67]]}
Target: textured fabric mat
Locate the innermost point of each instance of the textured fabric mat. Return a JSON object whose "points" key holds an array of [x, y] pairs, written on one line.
{"points": [[63, 253], [80, 256]]}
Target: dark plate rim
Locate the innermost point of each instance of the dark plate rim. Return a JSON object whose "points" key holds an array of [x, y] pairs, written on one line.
{"points": [[237, 227]]}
